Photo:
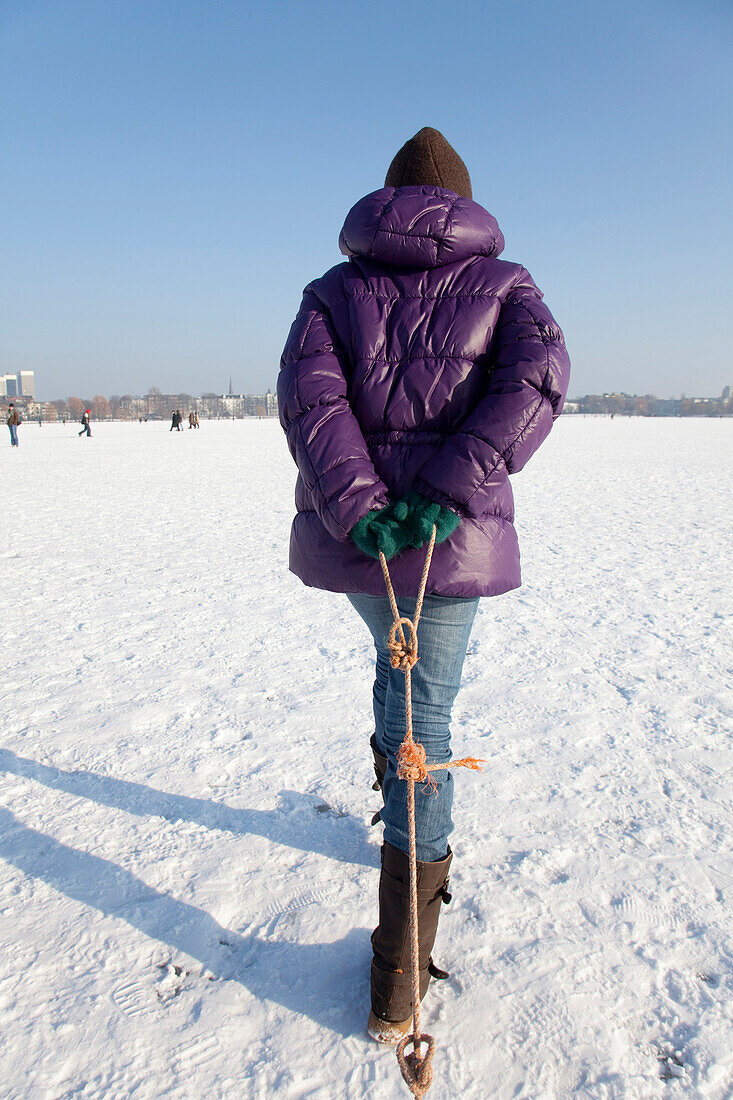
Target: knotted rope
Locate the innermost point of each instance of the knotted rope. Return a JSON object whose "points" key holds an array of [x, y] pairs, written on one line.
{"points": [[412, 766]]}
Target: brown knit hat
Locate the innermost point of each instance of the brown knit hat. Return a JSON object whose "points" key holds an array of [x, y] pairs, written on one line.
{"points": [[427, 158]]}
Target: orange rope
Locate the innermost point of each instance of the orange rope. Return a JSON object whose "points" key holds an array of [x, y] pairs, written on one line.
{"points": [[412, 766]]}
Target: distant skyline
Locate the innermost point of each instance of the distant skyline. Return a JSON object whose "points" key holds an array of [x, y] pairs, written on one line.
{"points": [[238, 391], [174, 174]]}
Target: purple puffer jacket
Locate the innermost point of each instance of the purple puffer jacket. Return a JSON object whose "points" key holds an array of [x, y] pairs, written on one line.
{"points": [[423, 363]]}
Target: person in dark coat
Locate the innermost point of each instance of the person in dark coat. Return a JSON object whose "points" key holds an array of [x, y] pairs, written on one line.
{"points": [[417, 376], [86, 427], [13, 421]]}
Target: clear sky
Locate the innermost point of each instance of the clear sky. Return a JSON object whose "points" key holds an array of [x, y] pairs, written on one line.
{"points": [[174, 172]]}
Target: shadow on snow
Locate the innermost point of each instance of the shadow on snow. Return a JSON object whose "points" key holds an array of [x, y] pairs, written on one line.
{"points": [[299, 823], [321, 981], [315, 980]]}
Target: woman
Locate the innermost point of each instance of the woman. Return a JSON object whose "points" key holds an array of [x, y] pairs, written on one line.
{"points": [[13, 422], [416, 377]]}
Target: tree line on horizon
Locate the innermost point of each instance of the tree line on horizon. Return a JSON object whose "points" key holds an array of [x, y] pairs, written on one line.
{"points": [[159, 406], [156, 405], [627, 404]]}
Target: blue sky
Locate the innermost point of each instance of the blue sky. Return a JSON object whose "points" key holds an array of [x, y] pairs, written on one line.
{"points": [[174, 173]]}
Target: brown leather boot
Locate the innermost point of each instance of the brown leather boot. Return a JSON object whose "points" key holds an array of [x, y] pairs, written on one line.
{"points": [[391, 983], [380, 769], [380, 764]]}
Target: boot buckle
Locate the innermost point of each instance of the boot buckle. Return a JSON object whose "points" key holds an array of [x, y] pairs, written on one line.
{"points": [[435, 971]]}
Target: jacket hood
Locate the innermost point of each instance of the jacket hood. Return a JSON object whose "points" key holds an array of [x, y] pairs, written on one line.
{"points": [[420, 227]]}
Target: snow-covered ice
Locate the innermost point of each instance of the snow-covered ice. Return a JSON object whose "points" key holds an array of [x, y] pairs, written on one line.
{"points": [[188, 876]]}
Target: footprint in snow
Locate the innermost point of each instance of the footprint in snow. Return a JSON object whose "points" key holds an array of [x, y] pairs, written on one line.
{"points": [[170, 982], [293, 802], [671, 1063]]}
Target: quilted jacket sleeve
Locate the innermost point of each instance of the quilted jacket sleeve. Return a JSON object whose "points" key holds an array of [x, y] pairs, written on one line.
{"points": [[324, 436], [529, 379]]}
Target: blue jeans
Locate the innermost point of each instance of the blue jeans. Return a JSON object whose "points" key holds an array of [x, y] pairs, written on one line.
{"points": [[443, 633], [13, 435]]}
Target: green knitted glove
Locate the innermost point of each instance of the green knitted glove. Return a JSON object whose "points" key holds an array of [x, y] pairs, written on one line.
{"points": [[418, 516], [379, 530], [406, 524]]}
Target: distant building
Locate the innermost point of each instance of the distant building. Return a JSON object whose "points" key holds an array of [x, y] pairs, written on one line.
{"points": [[27, 384], [18, 385], [159, 406], [248, 404]]}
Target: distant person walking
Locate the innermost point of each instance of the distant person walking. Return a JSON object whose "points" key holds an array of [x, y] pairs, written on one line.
{"points": [[196, 420], [191, 421], [176, 420], [86, 427], [13, 420]]}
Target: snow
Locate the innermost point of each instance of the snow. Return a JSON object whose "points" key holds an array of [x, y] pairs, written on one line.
{"points": [[188, 876]]}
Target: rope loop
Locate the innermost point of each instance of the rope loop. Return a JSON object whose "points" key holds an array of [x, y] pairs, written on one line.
{"points": [[403, 650], [417, 1069]]}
